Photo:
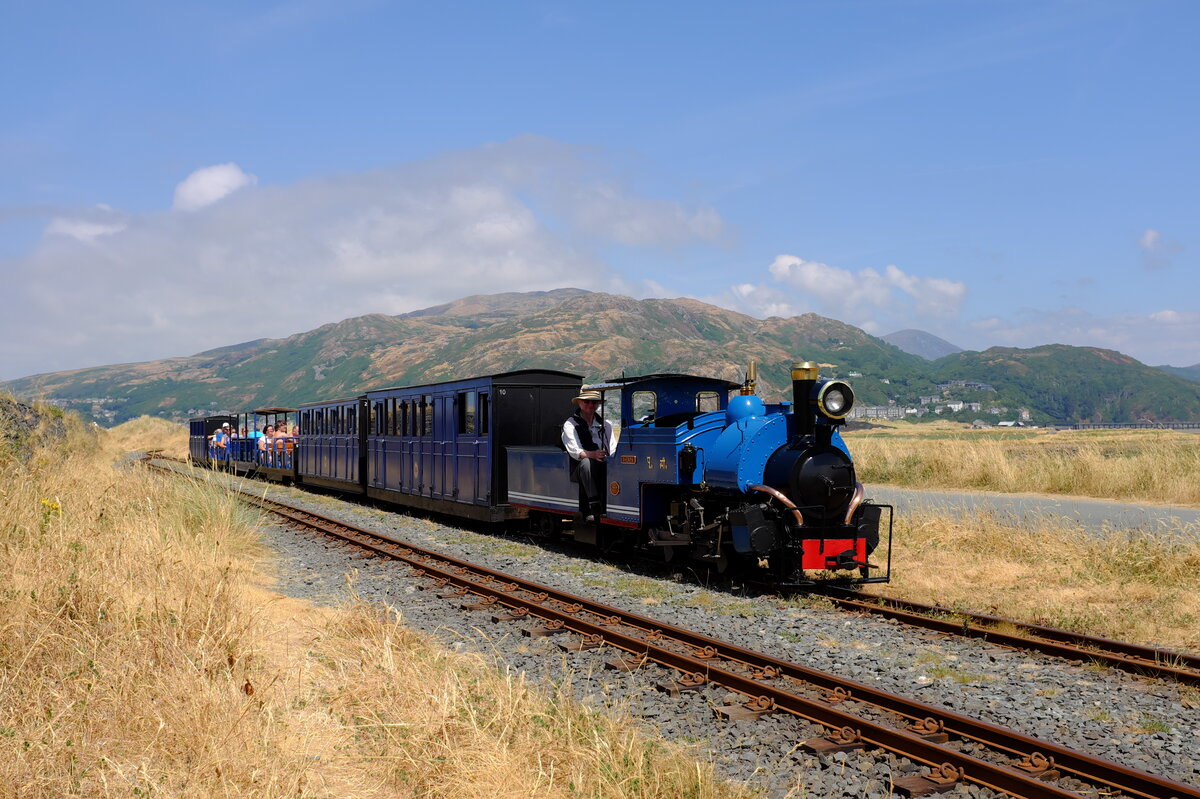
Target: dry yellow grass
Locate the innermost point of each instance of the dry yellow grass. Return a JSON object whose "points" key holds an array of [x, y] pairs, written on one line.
{"points": [[141, 656], [148, 433], [1156, 466], [1137, 586]]}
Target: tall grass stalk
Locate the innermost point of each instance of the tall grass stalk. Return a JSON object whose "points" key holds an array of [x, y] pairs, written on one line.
{"points": [[140, 655]]}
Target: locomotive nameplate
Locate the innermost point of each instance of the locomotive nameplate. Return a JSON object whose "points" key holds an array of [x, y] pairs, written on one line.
{"points": [[628, 459]]}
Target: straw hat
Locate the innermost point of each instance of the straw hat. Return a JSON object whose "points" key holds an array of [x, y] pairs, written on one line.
{"points": [[587, 395]]}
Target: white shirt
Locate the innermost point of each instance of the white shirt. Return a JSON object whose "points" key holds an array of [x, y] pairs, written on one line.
{"points": [[571, 440]]}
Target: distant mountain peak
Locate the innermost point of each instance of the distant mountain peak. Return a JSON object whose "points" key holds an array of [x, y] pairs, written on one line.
{"points": [[921, 344], [498, 306]]}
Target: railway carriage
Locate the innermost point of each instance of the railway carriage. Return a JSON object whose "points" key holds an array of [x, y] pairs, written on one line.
{"points": [[440, 447], [330, 452], [200, 429], [248, 458]]}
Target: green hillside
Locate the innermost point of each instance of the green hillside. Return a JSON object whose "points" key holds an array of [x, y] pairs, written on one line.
{"points": [[602, 336], [1078, 384]]}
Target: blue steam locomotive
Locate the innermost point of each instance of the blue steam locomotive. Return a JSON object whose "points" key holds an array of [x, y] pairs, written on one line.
{"points": [[696, 477]]}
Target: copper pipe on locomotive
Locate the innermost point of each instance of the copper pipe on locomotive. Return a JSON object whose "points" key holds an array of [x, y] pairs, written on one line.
{"points": [[783, 498], [855, 501]]}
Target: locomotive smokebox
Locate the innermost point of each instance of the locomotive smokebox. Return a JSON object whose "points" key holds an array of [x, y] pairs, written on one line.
{"points": [[804, 377]]}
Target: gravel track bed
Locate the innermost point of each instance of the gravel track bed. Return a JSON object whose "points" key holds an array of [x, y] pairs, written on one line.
{"points": [[1145, 724]]}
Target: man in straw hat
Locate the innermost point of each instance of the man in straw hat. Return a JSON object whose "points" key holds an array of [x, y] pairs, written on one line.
{"points": [[589, 441]]}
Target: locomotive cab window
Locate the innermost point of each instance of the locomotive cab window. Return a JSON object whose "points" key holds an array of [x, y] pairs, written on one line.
{"points": [[645, 405], [707, 401], [610, 409]]}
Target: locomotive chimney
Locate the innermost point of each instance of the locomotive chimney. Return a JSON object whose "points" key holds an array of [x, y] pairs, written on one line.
{"points": [[804, 377]]}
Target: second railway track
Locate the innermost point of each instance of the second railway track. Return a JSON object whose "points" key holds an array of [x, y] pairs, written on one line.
{"points": [[1144, 660]]}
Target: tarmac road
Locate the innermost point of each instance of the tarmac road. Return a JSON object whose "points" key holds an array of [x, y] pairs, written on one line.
{"points": [[1096, 515]]}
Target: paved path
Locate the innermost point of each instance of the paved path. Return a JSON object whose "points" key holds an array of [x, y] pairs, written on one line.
{"points": [[1092, 514]]}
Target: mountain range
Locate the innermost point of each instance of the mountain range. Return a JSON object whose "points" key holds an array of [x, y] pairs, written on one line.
{"points": [[602, 336]]}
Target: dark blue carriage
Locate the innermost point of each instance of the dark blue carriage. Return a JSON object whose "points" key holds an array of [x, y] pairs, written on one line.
{"points": [[441, 446], [330, 451]]}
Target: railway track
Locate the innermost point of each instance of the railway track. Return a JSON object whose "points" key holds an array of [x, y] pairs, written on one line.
{"points": [[956, 748], [1143, 660]]}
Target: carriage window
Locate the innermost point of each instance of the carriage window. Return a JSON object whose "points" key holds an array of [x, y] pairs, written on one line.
{"points": [[645, 403], [428, 402], [466, 413], [402, 424], [353, 422], [708, 401], [484, 411]]}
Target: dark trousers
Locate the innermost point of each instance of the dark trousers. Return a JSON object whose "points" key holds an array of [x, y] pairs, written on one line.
{"points": [[592, 476]]}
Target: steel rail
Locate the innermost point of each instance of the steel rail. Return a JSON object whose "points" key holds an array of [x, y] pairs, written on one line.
{"points": [[501, 591], [1141, 660]]}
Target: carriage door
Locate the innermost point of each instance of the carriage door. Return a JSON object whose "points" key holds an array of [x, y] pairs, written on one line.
{"points": [[483, 472], [443, 447], [467, 445]]}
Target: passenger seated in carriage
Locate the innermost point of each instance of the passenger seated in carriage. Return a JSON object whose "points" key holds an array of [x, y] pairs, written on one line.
{"points": [[218, 446]]}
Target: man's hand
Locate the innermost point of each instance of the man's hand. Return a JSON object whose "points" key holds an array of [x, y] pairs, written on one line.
{"points": [[596, 454]]}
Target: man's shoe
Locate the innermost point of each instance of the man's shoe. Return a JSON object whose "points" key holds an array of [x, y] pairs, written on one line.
{"points": [[590, 519]]}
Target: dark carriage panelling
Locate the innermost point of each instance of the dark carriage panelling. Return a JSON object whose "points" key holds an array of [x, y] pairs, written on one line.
{"points": [[441, 446], [330, 452]]}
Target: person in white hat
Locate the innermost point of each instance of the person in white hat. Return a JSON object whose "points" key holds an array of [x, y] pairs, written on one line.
{"points": [[589, 440], [220, 441]]}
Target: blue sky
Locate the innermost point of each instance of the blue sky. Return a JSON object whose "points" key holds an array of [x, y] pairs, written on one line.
{"points": [[175, 177]]}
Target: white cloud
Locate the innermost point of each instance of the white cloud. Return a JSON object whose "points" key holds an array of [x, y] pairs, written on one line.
{"points": [[868, 298], [211, 183], [83, 230], [269, 261], [755, 299], [1157, 250]]}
